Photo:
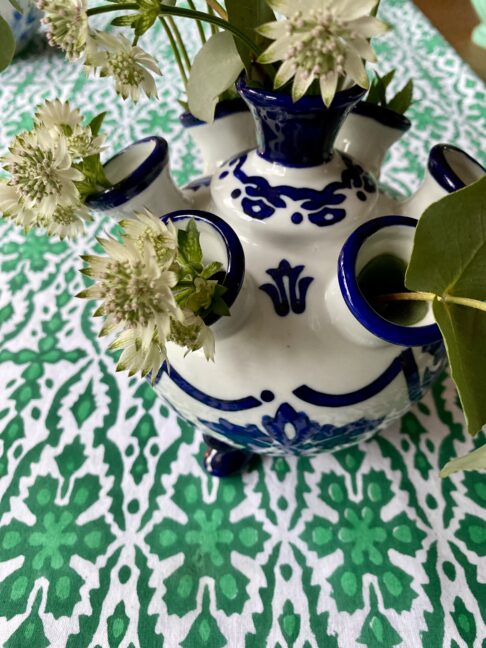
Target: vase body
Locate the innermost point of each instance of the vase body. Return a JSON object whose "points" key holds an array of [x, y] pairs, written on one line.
{"points": [[303, 364], [23, 25]]}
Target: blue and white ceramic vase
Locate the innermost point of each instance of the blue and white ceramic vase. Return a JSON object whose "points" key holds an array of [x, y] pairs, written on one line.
{"points": [[23, 25], [304, 364]]}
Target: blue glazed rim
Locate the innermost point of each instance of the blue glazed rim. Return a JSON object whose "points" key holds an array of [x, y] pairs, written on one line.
{"points": [[267, 98], [442, 171], [223, 109], [235, 271], [408, 336], [137, 181], [382, 115]]}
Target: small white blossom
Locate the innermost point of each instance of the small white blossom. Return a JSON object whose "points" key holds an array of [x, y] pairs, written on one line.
{"points": [[130, 66], [60, 119], [66, 221], [67, 25], [11, 207], [145, 227], [325, 40], [41, 172], [193, 333]]}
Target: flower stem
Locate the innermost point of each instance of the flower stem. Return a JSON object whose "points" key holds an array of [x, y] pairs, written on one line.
{"points": [[214, 29], [180, 42], [427, 296], [200, 28], [166, 10], [175, 49], [217, 8]]}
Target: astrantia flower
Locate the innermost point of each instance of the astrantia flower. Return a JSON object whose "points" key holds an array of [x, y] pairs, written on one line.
{"points": [[41, 172], [192, 333], [129, 65], [137, 300], [163, 238], [325, 40], [65, 222], [67, 25], [11, 207], [59, 118]]}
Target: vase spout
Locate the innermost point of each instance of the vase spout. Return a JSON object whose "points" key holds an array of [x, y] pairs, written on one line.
{"points": [[449, 169], [369, 132], [140, 179]]}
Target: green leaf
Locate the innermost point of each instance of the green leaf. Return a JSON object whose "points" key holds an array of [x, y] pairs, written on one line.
{"points": [[475, 460], [402, 101], [211, 269], [449, 260], [215, 68], [7, 44], [449, 252], [96, 123], [464, 331], [125, 21], [247, 15]]}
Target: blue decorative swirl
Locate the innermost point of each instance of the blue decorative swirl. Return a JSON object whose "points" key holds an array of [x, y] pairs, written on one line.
{"points": [[287, 295], [260, 200]]}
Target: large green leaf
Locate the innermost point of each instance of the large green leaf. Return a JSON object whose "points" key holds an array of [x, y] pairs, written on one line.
{"points": [[215, 69], [449, 260], [464, 331], [475, 460], [449, 253], [7, 44], [247, 15]]}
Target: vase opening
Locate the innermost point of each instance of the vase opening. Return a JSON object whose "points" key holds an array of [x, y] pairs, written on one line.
{"points": [[373, 262], [300, 134], [453, 168]]}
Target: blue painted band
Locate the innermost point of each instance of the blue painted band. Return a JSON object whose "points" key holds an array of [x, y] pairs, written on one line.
{"points": [[297, 134], [384, 116], [137, 181], [235, 271], [223, 109], [441, 170], [224, 405], [408, 336]]}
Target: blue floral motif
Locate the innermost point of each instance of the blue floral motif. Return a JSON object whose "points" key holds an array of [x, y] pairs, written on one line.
{"points": [[290, 290], [260, 200], [291, 432]]}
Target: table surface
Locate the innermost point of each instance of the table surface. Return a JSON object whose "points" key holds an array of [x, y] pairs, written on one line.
{"points": [[456, 19], [111, 534]]}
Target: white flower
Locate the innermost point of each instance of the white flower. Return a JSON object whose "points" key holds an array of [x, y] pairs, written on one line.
{"points": [[66, 221], [129, 65], [143, 227], [321, 39], [59, 118], [193, 334], [67, 25], [11, 207], [138, 302], [41, 171]]}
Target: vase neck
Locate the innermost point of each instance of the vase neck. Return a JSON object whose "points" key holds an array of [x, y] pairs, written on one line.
{"points": [[299, 134]]}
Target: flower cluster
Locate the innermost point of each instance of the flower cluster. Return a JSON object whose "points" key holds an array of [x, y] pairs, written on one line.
{"points": [[107, 55], [47, 167], [323, 40], [152, 293]]}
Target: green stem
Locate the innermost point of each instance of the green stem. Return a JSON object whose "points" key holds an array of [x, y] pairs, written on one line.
{"points": [[165, 10], [214, 29], [175, 49], [427, 296], [217, 8], [180, 42], [200, 28]]}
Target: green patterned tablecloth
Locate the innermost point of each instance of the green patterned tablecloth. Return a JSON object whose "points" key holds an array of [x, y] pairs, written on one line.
{"points": [[112, 535]]}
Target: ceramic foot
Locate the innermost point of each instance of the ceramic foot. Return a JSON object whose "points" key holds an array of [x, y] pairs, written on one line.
{"points": [[222, 460]]}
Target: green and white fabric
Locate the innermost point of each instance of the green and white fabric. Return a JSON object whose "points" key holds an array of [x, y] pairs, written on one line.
{"points": [[111, 534]]}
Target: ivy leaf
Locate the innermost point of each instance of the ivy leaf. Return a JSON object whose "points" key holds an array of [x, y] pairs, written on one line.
{"points": [[7, 44], [402, 101], [215, 68], [247, 15], [475, 460], [449, 260]]}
